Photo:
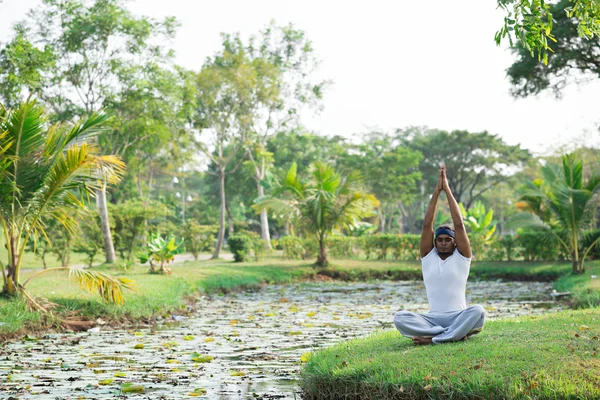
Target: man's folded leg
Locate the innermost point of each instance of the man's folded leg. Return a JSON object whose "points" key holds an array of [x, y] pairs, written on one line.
{"points": [[462, 324], [411, 324]]}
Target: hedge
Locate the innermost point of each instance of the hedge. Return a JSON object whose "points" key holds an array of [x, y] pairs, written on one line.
{"points": [[526, 245]]}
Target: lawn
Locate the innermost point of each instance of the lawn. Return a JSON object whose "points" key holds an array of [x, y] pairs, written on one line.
{"points": [[554, 356]]}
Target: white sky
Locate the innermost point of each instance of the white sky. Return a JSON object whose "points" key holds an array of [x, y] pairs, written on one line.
{"points": [[393, 64]]}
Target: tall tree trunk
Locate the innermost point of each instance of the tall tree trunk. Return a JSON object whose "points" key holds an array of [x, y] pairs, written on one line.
{"points": [[109, 248], [264, 220], [138, 183], [230, 227], [390, 220], [400, 220], [381, 220], [286, 228], [221, 234]]}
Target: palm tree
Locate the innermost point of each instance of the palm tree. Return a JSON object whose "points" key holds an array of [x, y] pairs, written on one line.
{"points": [[45, 172], [325, 202], [560, 205]]}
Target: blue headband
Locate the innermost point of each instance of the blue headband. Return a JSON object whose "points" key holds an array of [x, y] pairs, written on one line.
{"points": [[444, 231]]}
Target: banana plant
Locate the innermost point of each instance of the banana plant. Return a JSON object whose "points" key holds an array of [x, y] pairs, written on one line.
{"points": [[480, 225], [162, 251]]}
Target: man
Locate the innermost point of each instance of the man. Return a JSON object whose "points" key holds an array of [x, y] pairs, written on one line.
{"points": [[445, 260]]}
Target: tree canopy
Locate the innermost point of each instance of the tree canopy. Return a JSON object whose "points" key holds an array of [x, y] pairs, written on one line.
{"points": [[573, 59]]}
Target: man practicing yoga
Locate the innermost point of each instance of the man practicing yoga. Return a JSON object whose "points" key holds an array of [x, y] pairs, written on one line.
{"points": [[445, 267]]}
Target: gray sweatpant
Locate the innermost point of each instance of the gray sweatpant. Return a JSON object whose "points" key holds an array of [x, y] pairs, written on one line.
{"points": [[441, 327]]}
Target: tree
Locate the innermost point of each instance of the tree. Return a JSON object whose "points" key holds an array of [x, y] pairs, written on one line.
{"points": [[42, 169], [324, 202], [532, 23], [225, 86], [94, 44], [23, 67], [476, 162], [283, 59], [390, 172], [569, 54], [304, 148], [559, 204]]}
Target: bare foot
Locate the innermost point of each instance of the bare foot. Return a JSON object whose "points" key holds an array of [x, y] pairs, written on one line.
{"points": [[418, 340]]}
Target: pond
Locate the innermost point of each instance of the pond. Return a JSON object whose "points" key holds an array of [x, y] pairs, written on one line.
{"points": [[241, 345]]}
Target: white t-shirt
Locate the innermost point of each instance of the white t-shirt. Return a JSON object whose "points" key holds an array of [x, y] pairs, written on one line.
{"points": [[445, 281]]}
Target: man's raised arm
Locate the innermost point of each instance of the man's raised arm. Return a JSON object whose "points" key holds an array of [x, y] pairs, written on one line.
{"points": [[427, 232], [462, 240]]}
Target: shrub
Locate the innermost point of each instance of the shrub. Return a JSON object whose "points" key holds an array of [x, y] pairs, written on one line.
{"points": [[402, 247], [297, 248], [509, 243], [198, 237], [246, 244], [241, 246], [342, 246], [494, 251], [535, 246], [162, 250]]}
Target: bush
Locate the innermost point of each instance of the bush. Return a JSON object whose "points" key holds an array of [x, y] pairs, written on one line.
{"points": [[535, 246], [509, 243], [275, 244], [133, 220], [199, 238], [402, 247], [342, 246], [241, 246], [245, 244], [90, 242], [494, 251], [297, 248], [258, 247]]}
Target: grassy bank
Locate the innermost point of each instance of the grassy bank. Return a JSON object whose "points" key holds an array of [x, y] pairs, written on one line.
{"points": [[360, 270], [161, 295], [554, 356], [155, 295], [548, 357]]}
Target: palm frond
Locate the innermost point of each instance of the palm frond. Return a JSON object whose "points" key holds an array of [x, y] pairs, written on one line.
{"points": [[25, 127], [573, 171], [533, 222], [109, 288], [88, 127], [276, 205], [593, 184]]}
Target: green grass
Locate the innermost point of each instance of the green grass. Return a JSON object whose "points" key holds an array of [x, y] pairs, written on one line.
{"points": [[554, 356], [31, 261], [156, 295]]}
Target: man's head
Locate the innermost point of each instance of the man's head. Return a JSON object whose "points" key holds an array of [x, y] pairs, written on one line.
{"points": [[444, 240]]}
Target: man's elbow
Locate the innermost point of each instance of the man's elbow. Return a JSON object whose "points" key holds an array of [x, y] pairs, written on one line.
{"points": [[460, 225]]}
